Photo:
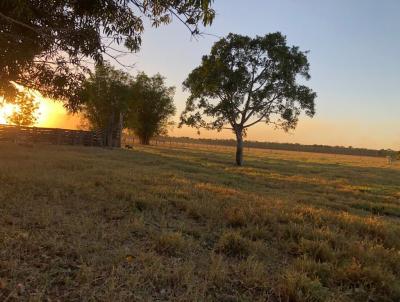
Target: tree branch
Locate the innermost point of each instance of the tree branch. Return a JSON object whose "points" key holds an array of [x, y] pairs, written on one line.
{"points": [[246, 106], [12, 20]]}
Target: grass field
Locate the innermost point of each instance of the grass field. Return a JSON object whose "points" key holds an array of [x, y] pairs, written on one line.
{"points": [[185, 224]]}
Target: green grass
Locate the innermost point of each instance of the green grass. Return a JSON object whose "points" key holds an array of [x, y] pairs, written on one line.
{"points": [[185, 224]]}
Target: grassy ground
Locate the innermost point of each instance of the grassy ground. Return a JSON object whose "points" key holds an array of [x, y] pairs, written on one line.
{"points": [[184, 224]]}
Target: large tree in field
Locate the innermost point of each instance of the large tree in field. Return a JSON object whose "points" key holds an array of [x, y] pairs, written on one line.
{"points": [[246, 81], [49, 45], [105, 99], [152, 107]]}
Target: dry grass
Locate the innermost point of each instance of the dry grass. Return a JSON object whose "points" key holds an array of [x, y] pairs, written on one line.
{"points": [[184, 224]]}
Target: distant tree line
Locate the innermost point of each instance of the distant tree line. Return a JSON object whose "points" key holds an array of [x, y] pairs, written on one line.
{"points": [[288, 146]]}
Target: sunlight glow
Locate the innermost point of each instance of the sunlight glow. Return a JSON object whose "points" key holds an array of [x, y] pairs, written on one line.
{"points": [[5, 111], [50, 113]]}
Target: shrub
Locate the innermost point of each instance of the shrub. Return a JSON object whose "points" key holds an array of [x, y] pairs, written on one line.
{"points": [[298, 287], [368, 282], [235, 217], [171, 244], [232, 244], [320, 251]]}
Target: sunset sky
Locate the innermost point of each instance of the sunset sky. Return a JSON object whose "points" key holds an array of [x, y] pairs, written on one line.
{"points": [[354, 56]]}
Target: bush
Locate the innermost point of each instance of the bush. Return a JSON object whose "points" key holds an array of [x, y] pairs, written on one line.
{"points": [[236, 217], [171, 244], [298, 287], [232, 244]]}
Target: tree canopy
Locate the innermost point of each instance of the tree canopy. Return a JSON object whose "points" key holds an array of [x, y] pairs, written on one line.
{"points": [[104, 100], [25, 110], [245, 81], [112, 100], [48, 45], [152, 107]]}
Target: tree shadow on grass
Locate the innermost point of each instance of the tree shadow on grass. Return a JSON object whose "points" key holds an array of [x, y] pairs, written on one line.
{"points": [[327, 184], [284, 167]]}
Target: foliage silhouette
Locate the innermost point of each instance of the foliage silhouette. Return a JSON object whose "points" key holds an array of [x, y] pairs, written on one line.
{"points": [[47, 45], [105, 99], [152, 107]]}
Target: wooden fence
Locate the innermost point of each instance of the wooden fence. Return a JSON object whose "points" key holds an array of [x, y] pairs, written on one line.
{"points": [[56, 136]]}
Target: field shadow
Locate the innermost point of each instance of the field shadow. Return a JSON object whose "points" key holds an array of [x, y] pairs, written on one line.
{"points": [[370, 189]]}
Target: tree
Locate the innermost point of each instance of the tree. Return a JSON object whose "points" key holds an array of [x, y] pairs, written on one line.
{"points": [[47, 45], [246, 81], [105, 97], [25, 110], [152, 107]]}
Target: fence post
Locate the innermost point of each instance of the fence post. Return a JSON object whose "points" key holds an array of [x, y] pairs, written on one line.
{"points": [[34, 136]]}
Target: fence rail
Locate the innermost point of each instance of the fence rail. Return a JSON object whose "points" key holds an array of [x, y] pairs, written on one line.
{"points": [[56, 136]]}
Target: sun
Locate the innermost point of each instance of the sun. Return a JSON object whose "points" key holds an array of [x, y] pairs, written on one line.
{"points": [[5, 111], [43, 113], [49, 114]]}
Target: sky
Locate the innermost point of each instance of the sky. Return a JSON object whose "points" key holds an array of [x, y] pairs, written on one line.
{"points": [[354, 57]]}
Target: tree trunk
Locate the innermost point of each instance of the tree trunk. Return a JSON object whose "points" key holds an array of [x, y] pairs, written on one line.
{"points": [[144, 140], [239, 147], [108, 142], [117, 133], [109, 131]]}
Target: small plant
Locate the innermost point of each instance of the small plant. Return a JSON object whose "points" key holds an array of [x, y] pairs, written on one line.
{"points": [[235, 217], [232, 244], [194, 213], [142, 205], [298, 287], [320, 251], [368, 282], [171, 244]]}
